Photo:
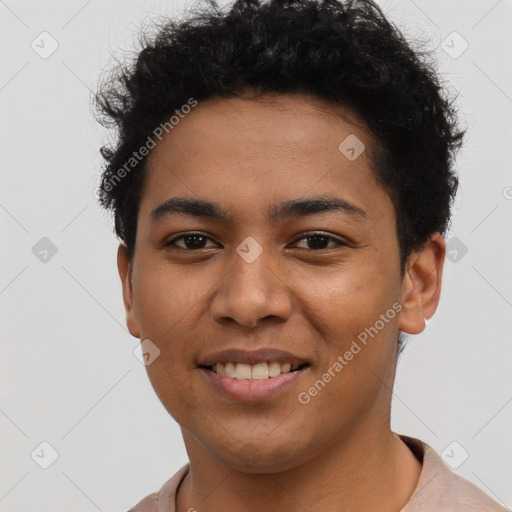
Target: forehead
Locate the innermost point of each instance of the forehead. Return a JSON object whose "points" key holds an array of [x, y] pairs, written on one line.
{"points": [[262, 149], [297, 122]]}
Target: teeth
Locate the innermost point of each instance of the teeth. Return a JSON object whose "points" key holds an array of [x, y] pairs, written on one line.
{"points": [[286, 367], [242, 371], [258, 371], [229, 369], [219, 368], [274, 369]]}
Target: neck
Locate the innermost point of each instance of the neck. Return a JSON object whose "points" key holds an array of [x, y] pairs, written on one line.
{"points": [[372, 472]]}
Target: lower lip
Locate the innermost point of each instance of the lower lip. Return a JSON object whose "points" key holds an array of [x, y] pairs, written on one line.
{"points": [[253, 390]]}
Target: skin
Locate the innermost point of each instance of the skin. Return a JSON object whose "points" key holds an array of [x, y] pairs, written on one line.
{"points": [[337, 453]]}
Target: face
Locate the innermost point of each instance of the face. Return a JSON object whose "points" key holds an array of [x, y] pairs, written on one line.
{"points": [[297, 252]]}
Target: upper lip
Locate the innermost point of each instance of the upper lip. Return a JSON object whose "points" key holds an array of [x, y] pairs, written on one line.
{"points": [[251, 357]]}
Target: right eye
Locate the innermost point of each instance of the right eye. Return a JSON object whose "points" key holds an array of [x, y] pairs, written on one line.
{"points": [[191, 241]]}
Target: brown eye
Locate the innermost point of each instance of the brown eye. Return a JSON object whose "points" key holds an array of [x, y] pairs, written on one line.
{"points": [[319, 241], [191, 241]]}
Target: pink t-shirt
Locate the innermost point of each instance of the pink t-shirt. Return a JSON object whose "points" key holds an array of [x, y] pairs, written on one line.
{"points": [[439, 489]]}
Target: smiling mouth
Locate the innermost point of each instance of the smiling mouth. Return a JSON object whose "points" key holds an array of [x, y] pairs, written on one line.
{"points": [[259, 371]]}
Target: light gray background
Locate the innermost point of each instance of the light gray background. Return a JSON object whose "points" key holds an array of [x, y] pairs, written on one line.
{"points": [[68, 372]]}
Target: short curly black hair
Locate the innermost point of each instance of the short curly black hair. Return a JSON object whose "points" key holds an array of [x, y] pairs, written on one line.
{"points": [[344, 52]]}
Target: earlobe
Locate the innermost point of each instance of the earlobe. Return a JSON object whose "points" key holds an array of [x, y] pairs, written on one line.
{"points": [[421, 286], [125, 273]]}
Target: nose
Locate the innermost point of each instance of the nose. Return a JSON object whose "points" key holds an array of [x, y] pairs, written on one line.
{"points": [[252, 293]]}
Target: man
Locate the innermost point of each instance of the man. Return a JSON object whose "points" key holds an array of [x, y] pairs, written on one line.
{"points": [[281, 184]]}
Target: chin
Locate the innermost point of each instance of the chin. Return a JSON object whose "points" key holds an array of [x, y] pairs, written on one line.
{"points": [[260, 457]]}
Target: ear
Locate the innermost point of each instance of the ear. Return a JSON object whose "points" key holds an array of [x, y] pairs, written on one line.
{"points": [[421, 286], [125, 273]]}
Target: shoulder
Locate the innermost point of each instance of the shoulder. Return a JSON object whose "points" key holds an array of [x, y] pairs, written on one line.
{"points": [[165, 499], [148, 504], [439, 488]]}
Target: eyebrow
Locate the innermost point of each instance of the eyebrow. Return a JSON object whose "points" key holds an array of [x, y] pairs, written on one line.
{"points": [[279, 212]]}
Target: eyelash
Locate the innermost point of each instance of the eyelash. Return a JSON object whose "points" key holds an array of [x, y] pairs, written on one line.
{"points": [[338, 242]]}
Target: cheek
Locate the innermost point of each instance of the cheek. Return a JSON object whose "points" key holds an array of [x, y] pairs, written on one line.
{"points": [[348, 300], [161, 305], [166, 298], [354, 314], [357, 345], [175, 393]]}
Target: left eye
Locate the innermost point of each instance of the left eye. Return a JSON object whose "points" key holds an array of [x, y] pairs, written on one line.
{"points": [[318, 241]]}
